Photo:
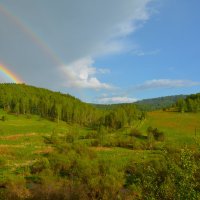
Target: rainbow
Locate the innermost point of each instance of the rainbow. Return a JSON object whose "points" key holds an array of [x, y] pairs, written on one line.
{"points": [[31, 34], [6, 72], [33, 37]]}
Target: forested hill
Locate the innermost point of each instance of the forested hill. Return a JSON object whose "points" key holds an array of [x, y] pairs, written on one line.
{"points": [[158, 103], [146, 104], [24, 99]]}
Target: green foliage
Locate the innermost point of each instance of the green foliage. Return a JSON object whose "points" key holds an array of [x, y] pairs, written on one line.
{"points": [[4, 118], [190, 104], [40, 165], [135, 132], [181, 105], [158, 135], [167, 178], [2, 162]]}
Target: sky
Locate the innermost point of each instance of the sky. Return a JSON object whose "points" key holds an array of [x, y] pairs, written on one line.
{"points": [[102, 51]]}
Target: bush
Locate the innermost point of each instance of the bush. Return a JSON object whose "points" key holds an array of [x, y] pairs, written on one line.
{"points": [[28, 116], [95, 143], [40, 165], [16, 188], [4, 118], [2, 162], [158, 135], [135, 132], [91, 135], [52, 139]]}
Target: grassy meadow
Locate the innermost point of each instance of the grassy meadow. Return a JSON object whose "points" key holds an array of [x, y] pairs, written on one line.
{"points": [[180, 129], [24, 141], [22, 138]]}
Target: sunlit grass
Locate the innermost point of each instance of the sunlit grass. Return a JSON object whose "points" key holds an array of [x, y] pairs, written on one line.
{"points": [[179, 128]]}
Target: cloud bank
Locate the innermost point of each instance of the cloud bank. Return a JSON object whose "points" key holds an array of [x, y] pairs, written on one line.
{"points": [[116, 99], [166, 83]]}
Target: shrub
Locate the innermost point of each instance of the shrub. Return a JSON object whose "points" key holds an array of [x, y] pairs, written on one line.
{"points": [[2, 162], [52, 139], [135, 132], [95, 143], [158, 135], [28, 116], [4, 118], [16, 188], [40, 165], [91, 135]]}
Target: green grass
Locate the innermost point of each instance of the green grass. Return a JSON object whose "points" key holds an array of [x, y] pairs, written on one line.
{"points": [[179, 128], [120, 157], [22, 138], [16, 124]]}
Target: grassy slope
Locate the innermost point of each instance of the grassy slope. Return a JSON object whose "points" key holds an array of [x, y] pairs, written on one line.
{"points": [[22, 140], [179, 128]]}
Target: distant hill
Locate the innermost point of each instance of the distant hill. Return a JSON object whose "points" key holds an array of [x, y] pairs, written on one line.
{"points": [[146, 104], [158, 103]]}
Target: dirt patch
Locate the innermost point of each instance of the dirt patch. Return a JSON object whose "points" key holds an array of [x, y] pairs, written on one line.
{"points": [[11, 145], [101, 148], [16, 136], [4, 150], [44, 151]]}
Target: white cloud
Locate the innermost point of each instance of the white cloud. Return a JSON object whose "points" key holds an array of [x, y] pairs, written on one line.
{"points": [[166, 83], [81, 74], [139, 52], [103, 71], [116, 99]]}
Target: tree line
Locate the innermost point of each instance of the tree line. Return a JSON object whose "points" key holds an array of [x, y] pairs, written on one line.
{"points": [[24, 99], [189, 104]]}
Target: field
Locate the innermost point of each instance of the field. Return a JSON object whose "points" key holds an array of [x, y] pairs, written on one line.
{"points": [[180, 128], [22, 138]]}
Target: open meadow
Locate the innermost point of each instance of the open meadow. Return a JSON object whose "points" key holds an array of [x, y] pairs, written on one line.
{"points": [[26, 141], [22, 138]]}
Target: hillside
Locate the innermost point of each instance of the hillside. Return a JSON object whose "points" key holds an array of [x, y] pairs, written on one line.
{"points": [[25, 99], [158, 103], [147, 104]]}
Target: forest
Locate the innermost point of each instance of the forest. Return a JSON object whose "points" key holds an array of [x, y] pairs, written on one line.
{"points": [[24, 99]]}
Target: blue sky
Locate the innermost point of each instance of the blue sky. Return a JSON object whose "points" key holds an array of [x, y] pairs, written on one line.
{"points": [[107, 51]]}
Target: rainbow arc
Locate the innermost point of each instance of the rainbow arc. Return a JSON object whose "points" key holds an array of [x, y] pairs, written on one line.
{"points": [[10, 75]]}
